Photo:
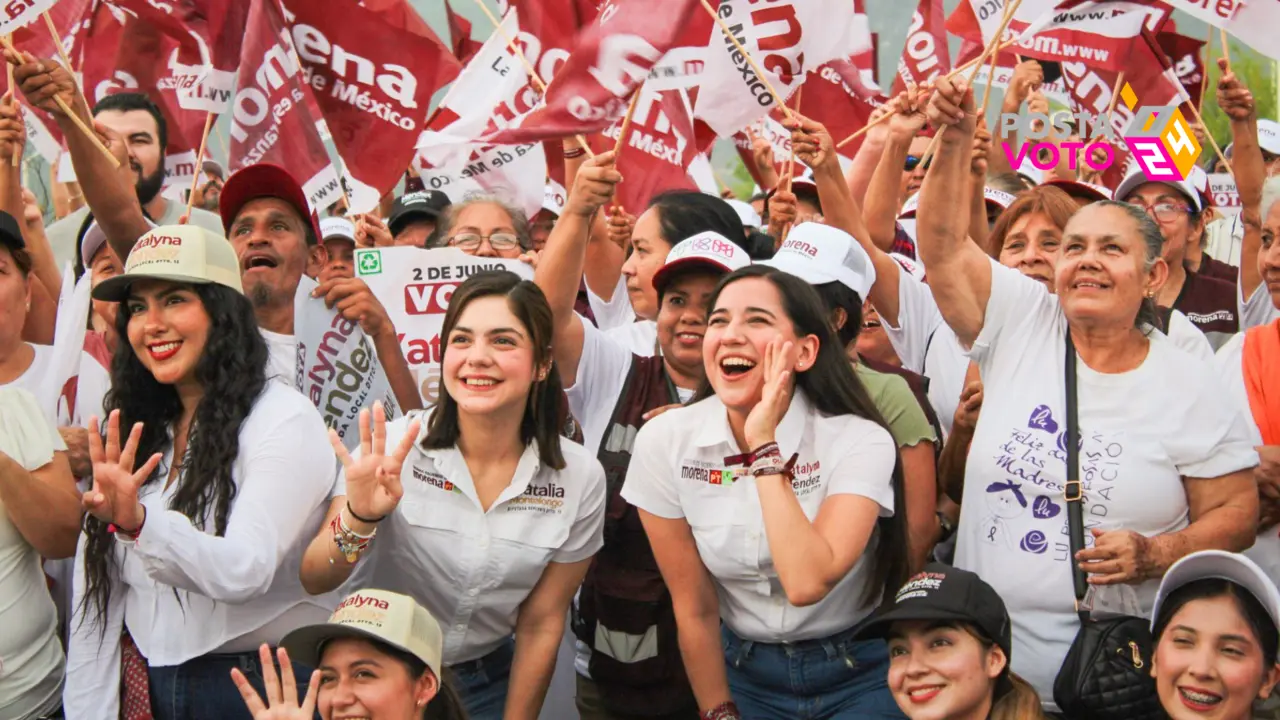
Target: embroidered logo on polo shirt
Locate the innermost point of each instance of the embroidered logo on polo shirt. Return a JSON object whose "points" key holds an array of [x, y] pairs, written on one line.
{"points": [[806, 478], [546, 499], [704, 472], [436, 480]]}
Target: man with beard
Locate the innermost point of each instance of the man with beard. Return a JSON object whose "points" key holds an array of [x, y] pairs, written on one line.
{"points": [[275, 235], [138, 121]]}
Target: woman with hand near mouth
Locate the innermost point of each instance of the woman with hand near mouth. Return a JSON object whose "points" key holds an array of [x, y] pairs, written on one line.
{"points": [[775, 503], [488, 518], [949, 649], [613, 392], [1149, 501], [1214, 628], [210, 480]]}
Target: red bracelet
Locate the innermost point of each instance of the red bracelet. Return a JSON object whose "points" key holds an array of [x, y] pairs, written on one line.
{"points": [[131, 534], [723, 711], [575, 153]]}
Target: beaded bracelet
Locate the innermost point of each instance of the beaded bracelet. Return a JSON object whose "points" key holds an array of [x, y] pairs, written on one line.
{"points": [[350, 543], [724, 711]]}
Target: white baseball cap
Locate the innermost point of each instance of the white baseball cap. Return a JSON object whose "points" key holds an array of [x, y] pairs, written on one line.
{"points": [[1221, 565], [997, 198], [379, 615], [1268, 137], [1136, 178], [747, 214], [332, 227], [1031, 172], [178, 253], [820, 254], [553, 198], [709, 249]]}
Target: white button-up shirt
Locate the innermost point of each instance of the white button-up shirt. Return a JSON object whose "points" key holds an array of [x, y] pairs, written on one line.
{"points": [[183, 592], [678, 470], [473, 568]]}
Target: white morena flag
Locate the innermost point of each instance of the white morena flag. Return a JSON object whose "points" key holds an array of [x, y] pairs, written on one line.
{"points": [[786, 39]]}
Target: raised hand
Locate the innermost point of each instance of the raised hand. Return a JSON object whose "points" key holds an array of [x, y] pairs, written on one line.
{"points": [[810, 141], [373, 479], [908, 110], [282, 691], [593, 186], [13, 131], [1027, 76], [981, 150], [1233, 97], [779, 381], [762, 153], [113, 498], [620, 226], [952, 104], [41, 81]]}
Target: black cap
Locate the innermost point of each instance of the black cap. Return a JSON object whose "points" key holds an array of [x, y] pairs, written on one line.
{"points": [[946, 593], [10, 232], [425, 204]]}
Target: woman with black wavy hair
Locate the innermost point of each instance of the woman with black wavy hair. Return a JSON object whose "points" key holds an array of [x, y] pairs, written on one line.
{"points": [[200, 513]]}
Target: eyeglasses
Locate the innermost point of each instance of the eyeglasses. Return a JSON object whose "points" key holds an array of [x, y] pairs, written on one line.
{"points": [[1164, 212], [913, 162], [467, 242]]}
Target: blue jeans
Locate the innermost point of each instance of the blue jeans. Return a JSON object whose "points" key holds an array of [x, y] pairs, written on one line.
{"points": [[202, 689], [482, 684], [833, 678]]}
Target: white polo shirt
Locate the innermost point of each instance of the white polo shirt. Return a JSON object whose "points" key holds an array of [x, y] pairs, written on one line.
{"points": [[184, 592], [471, 568], [678, 470]]}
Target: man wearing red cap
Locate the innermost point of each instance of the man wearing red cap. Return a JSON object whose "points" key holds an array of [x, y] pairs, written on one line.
{"points": [[269, 222]]}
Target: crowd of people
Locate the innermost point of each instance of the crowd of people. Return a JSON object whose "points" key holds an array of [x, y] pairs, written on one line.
{"points": [[860, 446]]}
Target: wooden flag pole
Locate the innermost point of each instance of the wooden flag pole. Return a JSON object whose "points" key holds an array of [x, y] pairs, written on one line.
{"points": [[1209, 136], [1226, 48], [996, 46], [1115, 93], [13, 93], [1208, 56], [626, 125], [528, 66], [724, 28], [991, 80], [195, 180], [71, 115], [62, 52]]}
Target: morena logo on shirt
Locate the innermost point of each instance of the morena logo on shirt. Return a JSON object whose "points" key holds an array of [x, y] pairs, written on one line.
{"points": [[435, 480], [710, 476]]}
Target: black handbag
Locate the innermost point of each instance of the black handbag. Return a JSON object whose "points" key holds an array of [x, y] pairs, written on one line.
{"points": [[1107, 672]]}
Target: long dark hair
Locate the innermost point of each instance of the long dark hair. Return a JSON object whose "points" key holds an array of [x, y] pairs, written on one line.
{"points": [[833, 388], [447, 704], [685, 213], [232, 371], [544, 411]]}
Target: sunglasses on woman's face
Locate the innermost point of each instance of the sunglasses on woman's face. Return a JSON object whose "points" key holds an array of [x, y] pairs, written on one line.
{"points": [[913, 162]]}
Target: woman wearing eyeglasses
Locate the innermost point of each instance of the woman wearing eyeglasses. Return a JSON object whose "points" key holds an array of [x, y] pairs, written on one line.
{"points": [[485, 226], [1176, 207]]}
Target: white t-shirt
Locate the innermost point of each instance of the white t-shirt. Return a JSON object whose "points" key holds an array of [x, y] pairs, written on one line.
{"points": [[1142, 431], [639, 337], [616, 311], [1186, 336], [91, 386], [678, 470], [1258, 309], [234, 592], [31, 661], [282, 362], [471, 568], [928, 346]]}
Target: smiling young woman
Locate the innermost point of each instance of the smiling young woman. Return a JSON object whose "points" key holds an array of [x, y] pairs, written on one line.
{"points": [[774, 503], [1214, 628], [200, 505], [485, 515]]}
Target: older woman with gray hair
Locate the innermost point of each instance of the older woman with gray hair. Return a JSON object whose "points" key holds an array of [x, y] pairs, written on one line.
{"points": [[485, 226], [1165, 462]]}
